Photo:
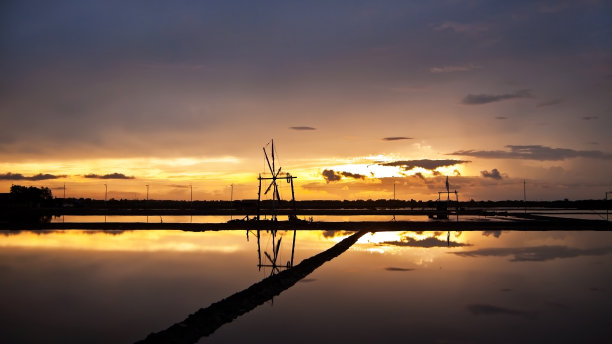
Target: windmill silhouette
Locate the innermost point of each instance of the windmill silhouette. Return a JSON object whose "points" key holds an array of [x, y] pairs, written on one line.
{"points": [[275, 175]]}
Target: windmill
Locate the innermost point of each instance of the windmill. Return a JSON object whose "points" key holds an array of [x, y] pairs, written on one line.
{"points": [[275, 175]]}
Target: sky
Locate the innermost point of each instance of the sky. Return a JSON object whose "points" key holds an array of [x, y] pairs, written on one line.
{"points": [[360, 97]]}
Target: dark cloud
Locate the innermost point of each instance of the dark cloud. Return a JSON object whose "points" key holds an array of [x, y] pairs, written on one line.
{"points": [[396, 138], [419, 175], [550, 102], [588, 118], [478, 99], [407, 241], [333, 176], [303, 128], [456, 173], [535, 152], [535, 254], [494, 174], [392, 268], [36, 177], [452, 69], [109, 176], [423, 163], [483, 309], [179, 186], [436, 173], [501, 117], [353, 175], [465, 28], [330, 176]]}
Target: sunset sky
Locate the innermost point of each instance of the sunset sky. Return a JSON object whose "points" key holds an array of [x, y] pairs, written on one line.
{"points": [[358, 96]]}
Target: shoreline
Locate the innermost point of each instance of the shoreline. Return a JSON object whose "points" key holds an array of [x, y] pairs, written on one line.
{"points": [[533, 223]]}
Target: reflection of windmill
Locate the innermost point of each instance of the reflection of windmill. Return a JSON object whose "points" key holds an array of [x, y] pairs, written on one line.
{"points": [[275, 175], [273, 260]]}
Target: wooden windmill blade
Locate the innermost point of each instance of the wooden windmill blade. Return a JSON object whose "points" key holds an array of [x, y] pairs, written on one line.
{"points": [[268, 160], [270, 186]]}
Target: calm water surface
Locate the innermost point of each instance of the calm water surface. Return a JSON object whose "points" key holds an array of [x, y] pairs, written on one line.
{"points": [[477, 287]]}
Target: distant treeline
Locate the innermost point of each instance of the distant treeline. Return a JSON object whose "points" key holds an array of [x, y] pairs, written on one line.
{"points": [[41, 198]]}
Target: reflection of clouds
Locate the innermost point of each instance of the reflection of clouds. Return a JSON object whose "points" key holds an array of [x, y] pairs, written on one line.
{"points": [[308, 280], [102, 240], [535, 254], [392, 268], [496, 234], [334, 233], [427, 242], [556, 305], [484, 309], [43, 231]]}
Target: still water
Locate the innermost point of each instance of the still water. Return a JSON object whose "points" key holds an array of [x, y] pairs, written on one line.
{"points": [[430, 287]]}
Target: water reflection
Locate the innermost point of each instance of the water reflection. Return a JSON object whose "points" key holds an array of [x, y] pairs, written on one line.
{"points": [[207, 320], [78, 286], [272, 260]]}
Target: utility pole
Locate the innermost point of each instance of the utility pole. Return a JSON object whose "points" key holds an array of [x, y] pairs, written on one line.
{"points": [[607, 207], [105, 192], [147, 192], [191, 196], [524, 196], [231, 200], [64, 191]]}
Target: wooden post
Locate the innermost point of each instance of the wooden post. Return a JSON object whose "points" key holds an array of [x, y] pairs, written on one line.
{"points": [[293, 201], [259, 203]]}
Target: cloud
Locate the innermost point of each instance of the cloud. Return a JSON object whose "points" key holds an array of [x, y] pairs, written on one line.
{"points": [[536, 253], [588, 118], [554, 7], [353, 175], [461, 28], [535, 152], [483, 309], [333, 176], [419, 175], [396, 138], [109, 176], [550, 102], [302, 128], [37, 177], [501, 117], [479, 99], [423, 163], [451, 69], [456, 173], [179, 186], [494, 174]]}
